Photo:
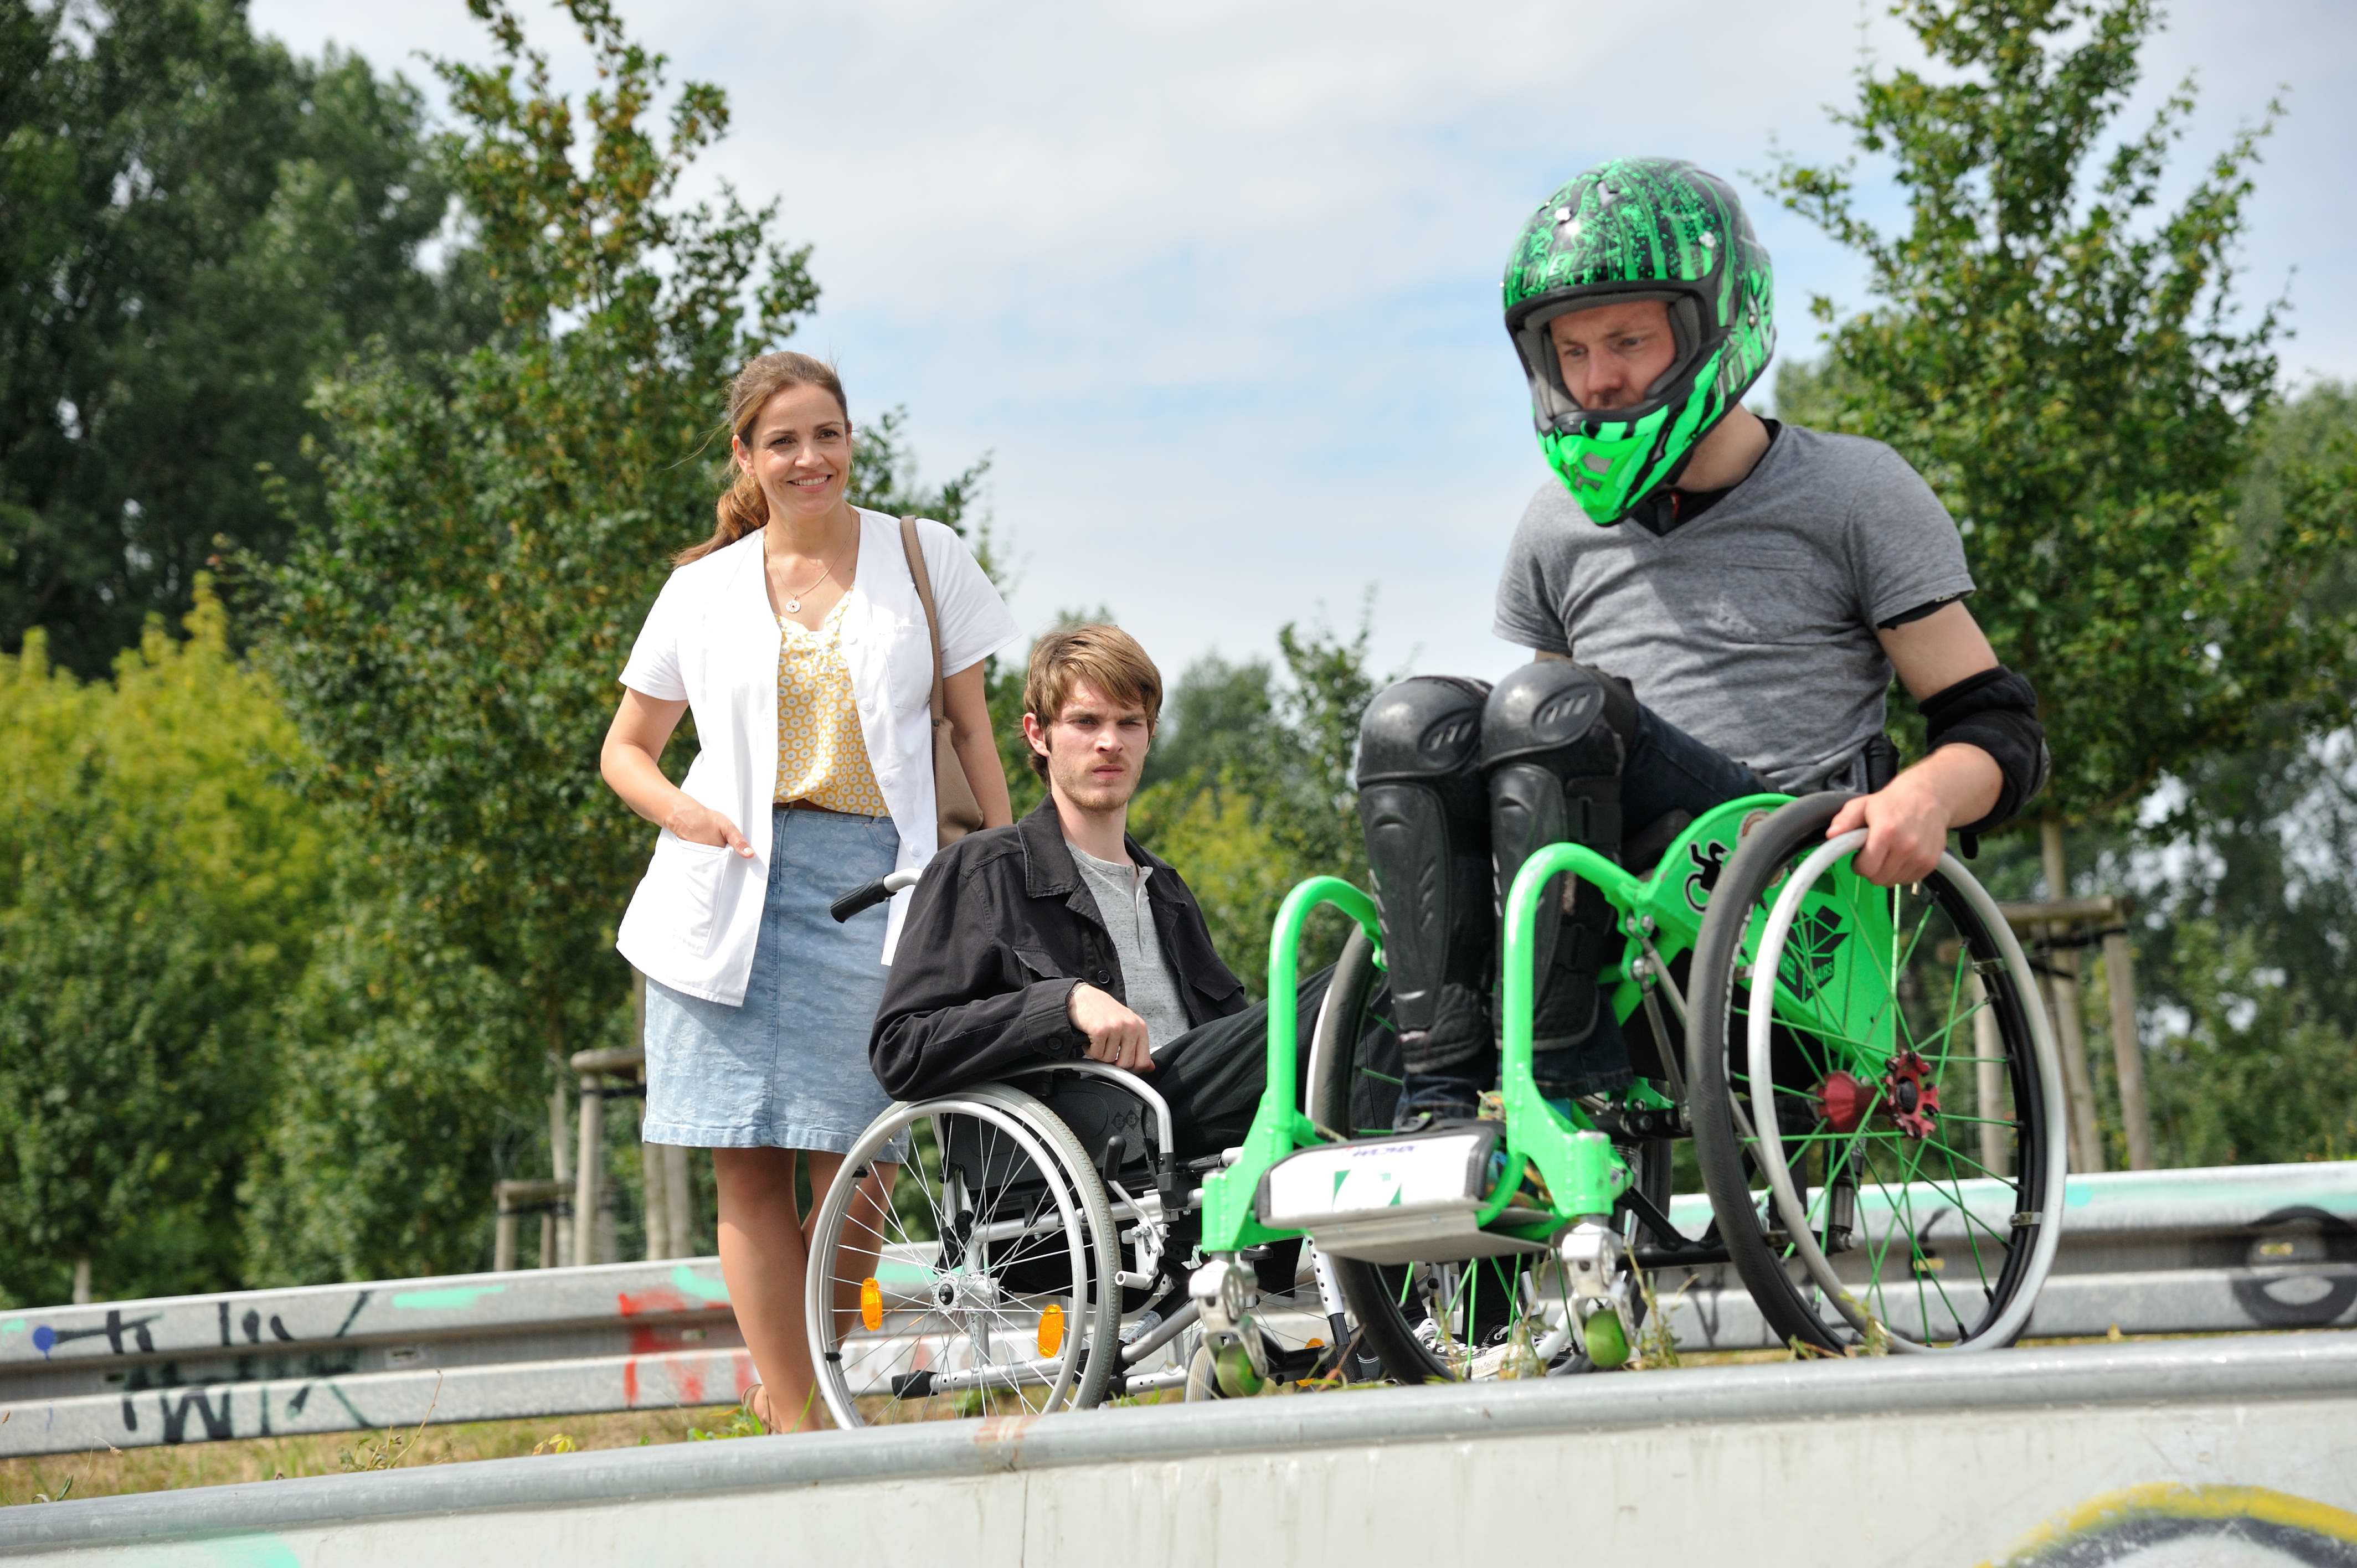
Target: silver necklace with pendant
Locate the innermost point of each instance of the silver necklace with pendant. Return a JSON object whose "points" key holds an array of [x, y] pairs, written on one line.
{"points": [[794, 600], [794, 603]]}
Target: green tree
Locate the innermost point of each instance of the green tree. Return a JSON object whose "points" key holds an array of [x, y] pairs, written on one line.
{"points": [[159, 883], [496, 525], [197, 225], [2248, 872], [2068, 371], [1249, 789]]}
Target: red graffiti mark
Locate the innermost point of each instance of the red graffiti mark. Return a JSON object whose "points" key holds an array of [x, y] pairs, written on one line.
{"points": [[662, 1298], [631, 1384], [742, 1365], [1003, 1430]]}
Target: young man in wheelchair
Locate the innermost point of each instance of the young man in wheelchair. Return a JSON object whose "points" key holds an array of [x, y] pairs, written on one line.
{"points": [[1059, 939], [1717, 604]]}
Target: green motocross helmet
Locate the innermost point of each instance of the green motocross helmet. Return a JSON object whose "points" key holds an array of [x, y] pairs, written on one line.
{"points": [[1642, 228]]}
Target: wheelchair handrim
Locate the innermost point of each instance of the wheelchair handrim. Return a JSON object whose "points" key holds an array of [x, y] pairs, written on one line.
{"points": [[1769, 1144], [826, 1240]]}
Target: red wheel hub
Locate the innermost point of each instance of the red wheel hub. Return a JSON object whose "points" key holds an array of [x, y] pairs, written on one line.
{"points": [[1914, 1104], [1842, 1100]]}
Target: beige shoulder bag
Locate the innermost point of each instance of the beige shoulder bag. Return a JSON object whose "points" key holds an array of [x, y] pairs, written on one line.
{"points": [[955, 810]]}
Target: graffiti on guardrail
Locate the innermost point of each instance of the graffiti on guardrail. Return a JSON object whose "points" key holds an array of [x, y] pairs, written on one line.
{"points": [[2168, 1522], [2255, 1292], [205, 1406]]}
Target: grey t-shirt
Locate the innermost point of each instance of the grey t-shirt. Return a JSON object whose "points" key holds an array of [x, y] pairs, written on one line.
{"points": [[1751, 628], [1119, 889]]}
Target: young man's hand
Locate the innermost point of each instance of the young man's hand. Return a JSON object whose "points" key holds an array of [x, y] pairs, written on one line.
{"points": [[1115, 1034], [1906, 822]]}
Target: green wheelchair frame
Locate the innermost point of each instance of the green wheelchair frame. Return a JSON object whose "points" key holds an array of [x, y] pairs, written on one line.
{"points": [[1840, 988]]}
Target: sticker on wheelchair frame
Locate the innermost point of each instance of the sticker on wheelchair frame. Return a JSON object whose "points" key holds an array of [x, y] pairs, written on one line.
{"points": [[1343, 1179], [1708, 860], [1807, 962]]}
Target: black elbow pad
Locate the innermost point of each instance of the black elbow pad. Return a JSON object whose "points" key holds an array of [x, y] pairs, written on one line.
{"points": [[1995, 710]]}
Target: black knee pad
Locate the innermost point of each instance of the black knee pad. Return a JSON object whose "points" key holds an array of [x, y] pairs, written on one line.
{"points": [[1555, 737], [1424, 806]]}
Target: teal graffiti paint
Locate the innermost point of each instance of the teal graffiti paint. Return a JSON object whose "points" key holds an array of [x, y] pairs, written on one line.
{"points": [[687, 1282], [447, 1298], [253, 1552]]}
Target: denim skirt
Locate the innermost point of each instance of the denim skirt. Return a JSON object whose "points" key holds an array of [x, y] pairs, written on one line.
{"points": [[788, 1070]]}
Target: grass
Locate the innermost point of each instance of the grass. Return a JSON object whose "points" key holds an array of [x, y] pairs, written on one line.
{"points": [[112, 1472]]}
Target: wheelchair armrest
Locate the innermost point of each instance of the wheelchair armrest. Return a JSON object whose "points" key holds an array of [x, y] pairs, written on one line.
{"points": [[1167, 1156]]}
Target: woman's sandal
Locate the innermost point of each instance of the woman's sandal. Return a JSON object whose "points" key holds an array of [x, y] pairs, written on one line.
{"points": [[745, 1403]]}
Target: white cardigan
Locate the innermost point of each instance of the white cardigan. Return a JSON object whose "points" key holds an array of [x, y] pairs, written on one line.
{"points": [[713, 639]]}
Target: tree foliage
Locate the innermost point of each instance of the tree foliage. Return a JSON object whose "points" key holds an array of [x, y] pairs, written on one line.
{"points": [[2063, 359], [496, 526], [159, 881], [197, 224], [1249, 787]]}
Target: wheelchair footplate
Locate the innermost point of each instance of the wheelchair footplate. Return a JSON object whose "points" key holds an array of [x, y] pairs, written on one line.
{"points": [[1413, 1198]]}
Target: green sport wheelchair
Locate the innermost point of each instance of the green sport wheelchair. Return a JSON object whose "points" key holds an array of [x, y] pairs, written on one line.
{"points": [[1867, 1075]]}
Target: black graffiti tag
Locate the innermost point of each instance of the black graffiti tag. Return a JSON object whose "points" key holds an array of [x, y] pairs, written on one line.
{"points": [[2254, 1294]]}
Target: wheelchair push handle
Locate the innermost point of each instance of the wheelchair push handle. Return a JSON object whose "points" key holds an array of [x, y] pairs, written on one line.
{"points": [[872, 894]]}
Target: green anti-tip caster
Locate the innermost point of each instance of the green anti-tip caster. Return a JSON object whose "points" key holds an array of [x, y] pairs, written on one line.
{"points": [[1608, 1342], [1225, 1374]]}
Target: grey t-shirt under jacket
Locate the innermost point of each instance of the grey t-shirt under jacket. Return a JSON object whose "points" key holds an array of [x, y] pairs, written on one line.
{"points": [[1119, 889], [1751, 628]]}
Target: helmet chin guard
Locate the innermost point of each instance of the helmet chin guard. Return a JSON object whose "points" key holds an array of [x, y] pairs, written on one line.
{"points": [[1630, 229]]}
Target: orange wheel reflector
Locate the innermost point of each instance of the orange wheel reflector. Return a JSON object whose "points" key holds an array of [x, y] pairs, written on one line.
{"points": [[871, 1304], [1315, 1344], [1051, 1329]]}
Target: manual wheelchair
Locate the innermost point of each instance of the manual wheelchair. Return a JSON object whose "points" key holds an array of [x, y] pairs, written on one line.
{"points": [[1037, 1256], [1867, 1075]]}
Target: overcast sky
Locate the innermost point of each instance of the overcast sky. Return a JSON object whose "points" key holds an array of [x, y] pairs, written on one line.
{"points": [[1215, 284]]}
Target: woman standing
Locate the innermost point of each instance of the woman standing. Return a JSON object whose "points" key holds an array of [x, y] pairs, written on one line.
{"points": [[796, 636]]}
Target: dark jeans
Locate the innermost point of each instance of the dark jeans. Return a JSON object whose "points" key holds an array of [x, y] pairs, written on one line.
{"points": [[1668, 771]]}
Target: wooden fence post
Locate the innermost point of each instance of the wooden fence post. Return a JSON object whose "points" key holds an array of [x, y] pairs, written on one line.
{"points": [[2127, 1049], [2069, 1029]]}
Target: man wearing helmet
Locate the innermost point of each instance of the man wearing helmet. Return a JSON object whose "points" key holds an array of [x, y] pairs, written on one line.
{"points": [[1739, 638]]}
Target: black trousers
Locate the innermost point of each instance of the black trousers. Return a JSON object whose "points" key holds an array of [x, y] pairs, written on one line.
{"points": [[1212, 1075]]}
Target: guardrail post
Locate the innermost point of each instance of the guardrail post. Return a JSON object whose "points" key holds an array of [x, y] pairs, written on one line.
{"points": [[2128, 1050]]}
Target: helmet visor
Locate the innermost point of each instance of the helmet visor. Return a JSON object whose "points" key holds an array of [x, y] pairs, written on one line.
{"points": [[1553, 405]]}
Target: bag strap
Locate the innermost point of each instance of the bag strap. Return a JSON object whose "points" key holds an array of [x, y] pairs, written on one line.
{"points": [[925, 597]]}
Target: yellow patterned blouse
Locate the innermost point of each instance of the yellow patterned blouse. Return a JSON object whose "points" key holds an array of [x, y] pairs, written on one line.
{"points": [[822, 756]]}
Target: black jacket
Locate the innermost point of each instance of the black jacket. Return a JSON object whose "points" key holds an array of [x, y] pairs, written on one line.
{"points": [[999, 931]]}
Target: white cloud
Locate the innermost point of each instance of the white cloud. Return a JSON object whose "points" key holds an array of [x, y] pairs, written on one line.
{"points": [[1216, 283]]}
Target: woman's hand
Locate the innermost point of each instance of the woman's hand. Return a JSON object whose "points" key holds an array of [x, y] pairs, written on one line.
{"points": [[700, 823]]}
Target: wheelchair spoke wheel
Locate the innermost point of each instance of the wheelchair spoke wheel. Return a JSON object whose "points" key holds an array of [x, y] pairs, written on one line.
{"points": [[1876, 1103], [1473, 1320], [987, 1287]]}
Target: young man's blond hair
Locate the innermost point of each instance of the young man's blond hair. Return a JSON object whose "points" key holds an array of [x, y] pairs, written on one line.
{"points": [[1105, 657]]}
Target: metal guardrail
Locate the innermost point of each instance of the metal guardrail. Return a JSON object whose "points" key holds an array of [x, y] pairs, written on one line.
{"points": [[2148, 1253], [2044, 1455]]}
